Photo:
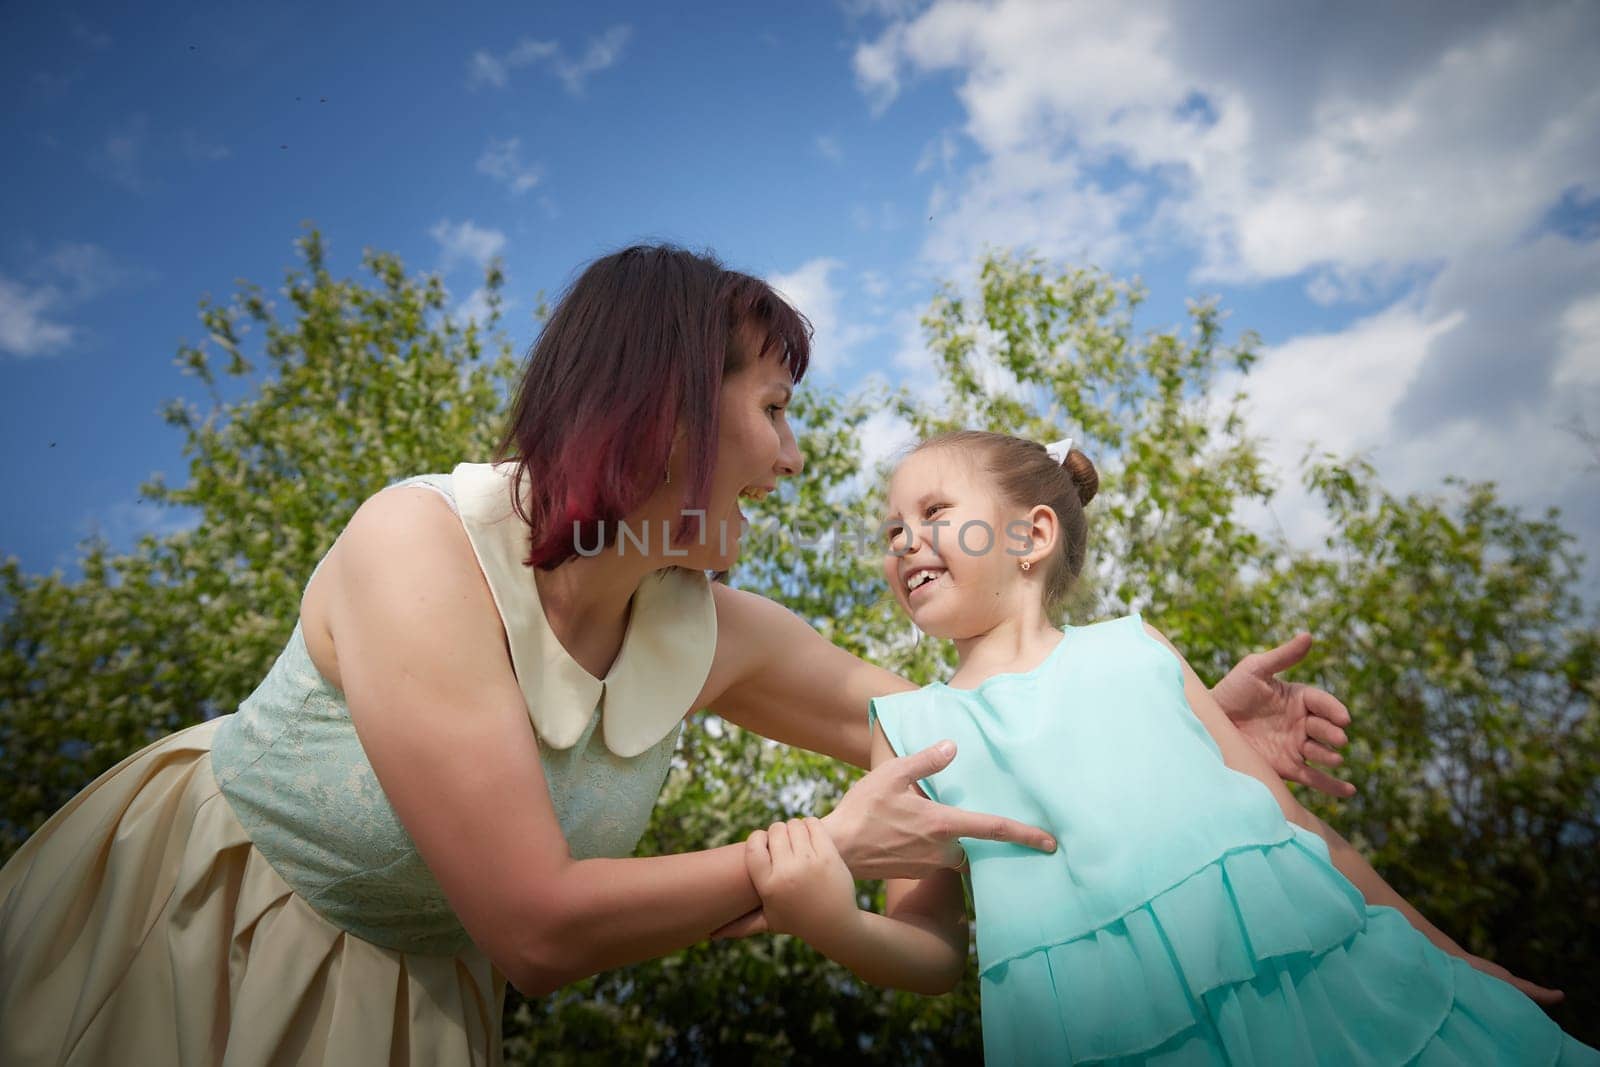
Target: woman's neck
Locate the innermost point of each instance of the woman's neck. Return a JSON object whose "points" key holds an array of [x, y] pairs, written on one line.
{"points": [[586, 604]]}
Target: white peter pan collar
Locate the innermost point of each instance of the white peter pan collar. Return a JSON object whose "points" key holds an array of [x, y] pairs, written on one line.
{"points": [[665, 655]]}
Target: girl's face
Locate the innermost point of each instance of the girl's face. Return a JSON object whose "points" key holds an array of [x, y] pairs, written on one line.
{"points": [[755, 447], [953, 548]]}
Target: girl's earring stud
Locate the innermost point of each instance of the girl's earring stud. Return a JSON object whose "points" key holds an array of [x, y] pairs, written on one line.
{"points": [[1027, 564]]}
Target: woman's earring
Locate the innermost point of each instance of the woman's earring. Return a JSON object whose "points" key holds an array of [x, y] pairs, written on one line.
{"points": [[1027, 564]]}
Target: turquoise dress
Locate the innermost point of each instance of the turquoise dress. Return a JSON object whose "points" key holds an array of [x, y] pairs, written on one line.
{"points": [[1182, 919]]}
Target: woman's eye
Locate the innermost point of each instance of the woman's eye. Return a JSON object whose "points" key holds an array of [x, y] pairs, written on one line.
{"points": [[773, 409]]}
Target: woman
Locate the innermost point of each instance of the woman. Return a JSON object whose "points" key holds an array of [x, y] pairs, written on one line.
{"points": [[349, 867]]}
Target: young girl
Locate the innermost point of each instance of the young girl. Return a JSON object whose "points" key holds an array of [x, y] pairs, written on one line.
{"points": [[1194, 912]]}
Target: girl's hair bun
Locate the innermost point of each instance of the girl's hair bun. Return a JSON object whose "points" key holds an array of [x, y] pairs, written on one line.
{"points": [[1083, 474]]}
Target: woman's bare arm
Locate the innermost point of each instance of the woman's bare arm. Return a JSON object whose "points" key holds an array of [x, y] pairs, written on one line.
{"points": [[423, 663], [791, 684], [787, 683]]}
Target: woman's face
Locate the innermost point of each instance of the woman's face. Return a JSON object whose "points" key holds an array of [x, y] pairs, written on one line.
{"points": [[755, 447], [949, 555]]}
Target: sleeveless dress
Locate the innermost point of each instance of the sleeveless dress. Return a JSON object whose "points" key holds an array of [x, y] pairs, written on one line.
{"points": [[1182, 919], [241, 892]]}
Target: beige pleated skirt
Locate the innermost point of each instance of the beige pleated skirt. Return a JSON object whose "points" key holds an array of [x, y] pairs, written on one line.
{"points": [[140, 926]]}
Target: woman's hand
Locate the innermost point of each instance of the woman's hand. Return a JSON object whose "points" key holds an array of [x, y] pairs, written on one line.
{"points": [[805, 888], [885, 828], [1290, 724], [1537, 993]]}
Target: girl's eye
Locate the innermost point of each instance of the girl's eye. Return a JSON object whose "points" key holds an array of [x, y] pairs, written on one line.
{"points": [[931, 509]]}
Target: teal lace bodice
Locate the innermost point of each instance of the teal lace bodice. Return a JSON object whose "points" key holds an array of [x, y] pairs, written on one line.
{"points": [[290, 764]]}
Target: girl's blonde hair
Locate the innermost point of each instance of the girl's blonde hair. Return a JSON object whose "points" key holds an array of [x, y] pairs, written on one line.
{"points": [[1025, 476]]}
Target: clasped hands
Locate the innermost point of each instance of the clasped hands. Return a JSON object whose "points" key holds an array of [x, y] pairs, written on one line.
{"points": [[806, 888], [882, 828]]}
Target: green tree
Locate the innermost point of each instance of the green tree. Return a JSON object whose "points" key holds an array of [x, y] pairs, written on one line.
{"points": [[1451, 621], [1448, 622], [362, 384]]}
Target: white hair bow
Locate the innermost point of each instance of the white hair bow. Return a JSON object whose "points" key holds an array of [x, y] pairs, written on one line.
{"points": [[1058, 449]]}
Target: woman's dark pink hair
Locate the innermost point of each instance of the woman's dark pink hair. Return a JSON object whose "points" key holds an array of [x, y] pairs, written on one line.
{"points": [[636, 349]]}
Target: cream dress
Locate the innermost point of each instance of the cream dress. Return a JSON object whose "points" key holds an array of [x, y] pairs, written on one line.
{"points": [[242, 893]]}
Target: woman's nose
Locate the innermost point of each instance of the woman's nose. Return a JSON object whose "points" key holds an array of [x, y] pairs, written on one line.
{"points": [[790, 459]]}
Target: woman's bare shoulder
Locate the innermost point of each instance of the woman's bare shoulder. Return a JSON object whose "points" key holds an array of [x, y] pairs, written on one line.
{"points": [[399, 536], [748, 622]]}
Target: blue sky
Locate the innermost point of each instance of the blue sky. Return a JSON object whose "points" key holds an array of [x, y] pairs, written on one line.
{"points": [[1404, 206]]}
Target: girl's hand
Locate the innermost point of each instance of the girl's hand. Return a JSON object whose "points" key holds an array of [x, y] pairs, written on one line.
{"points": [[805, 887], [1537, 993]]}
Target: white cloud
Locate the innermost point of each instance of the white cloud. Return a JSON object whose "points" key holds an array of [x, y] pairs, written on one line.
{"points": [[810, 288], [197, 148], [124, 522], [121, 155], [25, 329], [466, 241], [1029, 198], [1447, 383], [1379, 138], [858, 9], [874, 284], [475, 308], [911, 352], [486, 68], [940, 152], [1579, 365], [1378, 155], [87, 270], [502, 161], [828, 147], [884, 437], [91, 37], [61, 279], [1332, 392], [883, 215]]}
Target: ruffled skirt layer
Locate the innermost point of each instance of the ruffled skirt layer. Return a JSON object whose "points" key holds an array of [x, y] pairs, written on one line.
{"points": [[141, 926], [1267, 956]]}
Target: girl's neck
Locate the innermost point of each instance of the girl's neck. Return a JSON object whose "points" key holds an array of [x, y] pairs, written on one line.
{"points": [[1014, 646]]}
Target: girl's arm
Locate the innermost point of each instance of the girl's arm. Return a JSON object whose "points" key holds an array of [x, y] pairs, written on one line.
{"points": [[919, 944], [1240, 756]]}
